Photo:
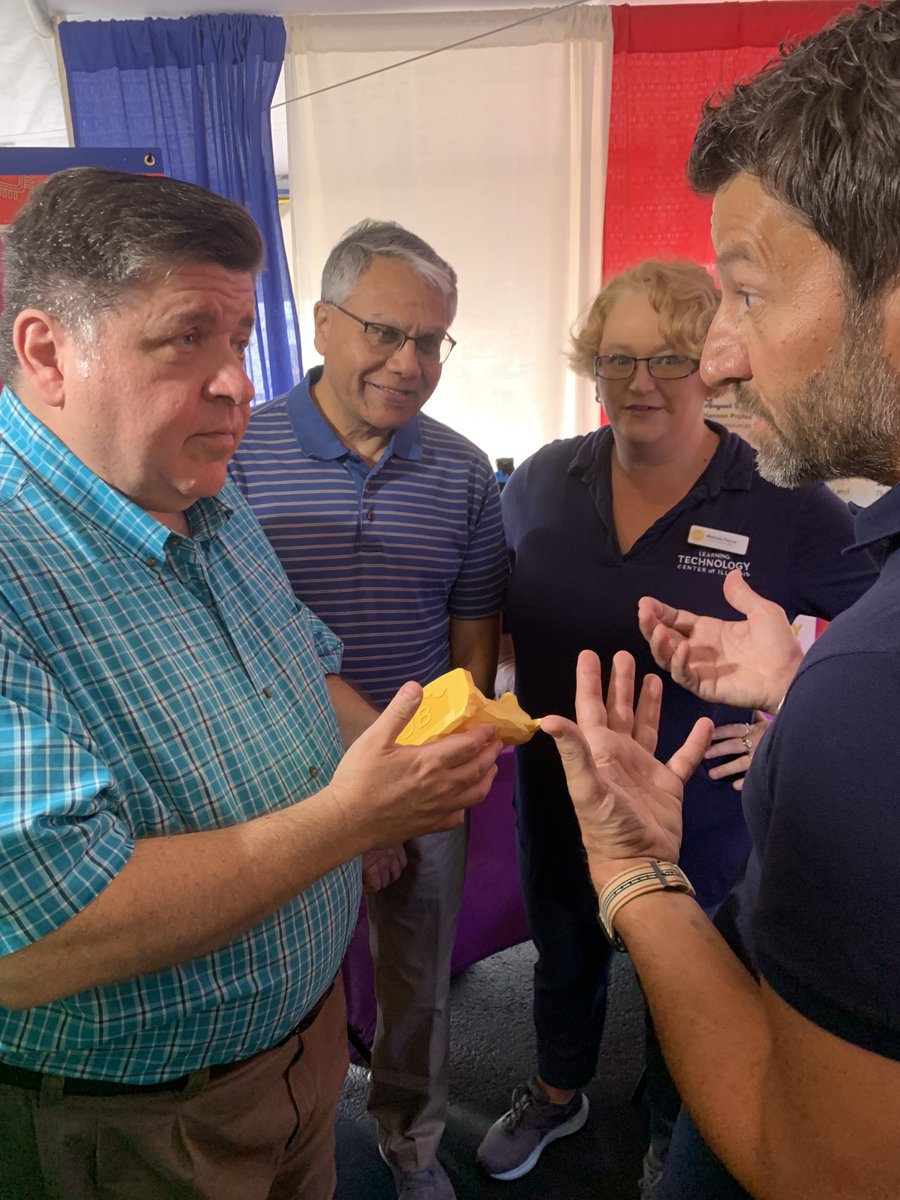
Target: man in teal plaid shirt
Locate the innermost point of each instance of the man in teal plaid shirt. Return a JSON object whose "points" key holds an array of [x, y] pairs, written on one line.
{"points": [[178, 829]]}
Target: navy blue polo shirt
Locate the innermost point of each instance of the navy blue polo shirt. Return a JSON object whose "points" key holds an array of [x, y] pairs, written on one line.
{"points": [[572, 588], [386, 555]]}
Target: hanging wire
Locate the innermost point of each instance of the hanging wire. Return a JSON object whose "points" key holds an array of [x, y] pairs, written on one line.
{"points": [[477, 37]]}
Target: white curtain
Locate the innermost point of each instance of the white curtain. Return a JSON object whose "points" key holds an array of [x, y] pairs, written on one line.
{"points": [[495, 153], [31, 101]]}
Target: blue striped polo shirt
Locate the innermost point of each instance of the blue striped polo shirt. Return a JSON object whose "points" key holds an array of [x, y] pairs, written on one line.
{"points": [[151, 684], [384, 556]]}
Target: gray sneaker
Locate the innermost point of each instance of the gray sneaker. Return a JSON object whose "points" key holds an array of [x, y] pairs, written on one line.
{"points": [[650, 1183], [430, 1184], [512, 1145]]}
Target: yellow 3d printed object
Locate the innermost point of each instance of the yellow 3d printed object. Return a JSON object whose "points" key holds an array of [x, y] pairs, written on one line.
{"points": [[452, 703]]}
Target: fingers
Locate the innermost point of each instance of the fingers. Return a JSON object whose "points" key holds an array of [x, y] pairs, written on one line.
{"points": [[457, 749], [470, 775], [681, 670], [737, 730], [590, 711], [653, 615], [685, 760], [620, 695], [663, 643], [734, 766], [647, 713]]}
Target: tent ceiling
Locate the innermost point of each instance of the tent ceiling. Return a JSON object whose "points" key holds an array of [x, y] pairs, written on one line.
{"points": [[109, 9]]}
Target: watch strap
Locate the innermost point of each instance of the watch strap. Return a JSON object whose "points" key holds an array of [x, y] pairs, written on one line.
{"points": [[650, 876]]}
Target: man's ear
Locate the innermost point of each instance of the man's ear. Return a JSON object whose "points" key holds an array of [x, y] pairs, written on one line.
{"points": [[39, 342], [322, 318], [890, 330]]}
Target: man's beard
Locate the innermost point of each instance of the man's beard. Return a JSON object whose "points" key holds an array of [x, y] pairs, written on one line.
{"points": [[845, 420]]}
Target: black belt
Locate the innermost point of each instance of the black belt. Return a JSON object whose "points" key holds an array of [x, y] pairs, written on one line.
{"points": [[34, 1081]]}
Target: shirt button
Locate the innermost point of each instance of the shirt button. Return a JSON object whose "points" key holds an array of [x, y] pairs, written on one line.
{"points": [[314, 772], [267, 692], [370, 516], [152, 563]]}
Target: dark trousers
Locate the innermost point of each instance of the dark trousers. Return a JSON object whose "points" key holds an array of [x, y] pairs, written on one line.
{"points": [[693, 1171]]}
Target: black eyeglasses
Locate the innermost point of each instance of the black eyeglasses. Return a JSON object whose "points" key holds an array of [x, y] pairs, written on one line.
{"points": [[660, 366], [386, 340]]}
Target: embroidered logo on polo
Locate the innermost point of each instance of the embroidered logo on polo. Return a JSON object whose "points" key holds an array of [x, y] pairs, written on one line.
{"points": [[715, 551]]}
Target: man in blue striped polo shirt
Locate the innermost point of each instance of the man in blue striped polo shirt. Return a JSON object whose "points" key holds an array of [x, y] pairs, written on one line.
{"points": [[388, 525], [178, 833]]}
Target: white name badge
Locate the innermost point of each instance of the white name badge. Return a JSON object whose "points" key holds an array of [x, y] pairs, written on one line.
{"points": [[718, 539]]}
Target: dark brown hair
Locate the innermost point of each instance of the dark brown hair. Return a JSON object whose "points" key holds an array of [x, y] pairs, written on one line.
{"points": [[86, 235]]}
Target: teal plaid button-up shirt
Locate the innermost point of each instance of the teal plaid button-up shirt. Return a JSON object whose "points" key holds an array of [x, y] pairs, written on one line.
{"points": [[151, 684]]}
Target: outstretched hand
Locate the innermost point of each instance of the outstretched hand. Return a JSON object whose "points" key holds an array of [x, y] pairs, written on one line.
{"points": [[746, 664], [628, 803]]}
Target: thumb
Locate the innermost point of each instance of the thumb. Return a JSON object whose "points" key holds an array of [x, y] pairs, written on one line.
{"points": [[740, 595], [398, 713], [687, 758], [577, 760]]}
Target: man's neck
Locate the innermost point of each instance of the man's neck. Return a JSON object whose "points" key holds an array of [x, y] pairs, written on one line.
{"points": [[176, 521], [370, 444]]}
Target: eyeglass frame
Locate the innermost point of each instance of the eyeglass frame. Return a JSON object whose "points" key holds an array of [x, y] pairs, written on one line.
{"points": [[695, 367], [405, 337]]}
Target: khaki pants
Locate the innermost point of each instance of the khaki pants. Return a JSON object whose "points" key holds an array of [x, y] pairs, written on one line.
{"points": [[412, 926], [264, 1131]]}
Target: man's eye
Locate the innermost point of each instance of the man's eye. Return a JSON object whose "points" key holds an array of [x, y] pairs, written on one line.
{"points": [[430, 344], [187, 339], [385, 335]]}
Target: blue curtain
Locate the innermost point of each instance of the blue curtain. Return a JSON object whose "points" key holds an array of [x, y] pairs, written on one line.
{"points": [[199, 88]]}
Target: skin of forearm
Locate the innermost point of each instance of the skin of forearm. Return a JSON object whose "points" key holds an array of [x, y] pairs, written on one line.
{"points": [[711, 1024], [474, 645], [181, 897], [354, 713]]}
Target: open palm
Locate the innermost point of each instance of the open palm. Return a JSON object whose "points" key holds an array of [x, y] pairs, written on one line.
{"points": [[747, 663], [628, 803]]}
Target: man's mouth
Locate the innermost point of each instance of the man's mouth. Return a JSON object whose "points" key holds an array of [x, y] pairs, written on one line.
{"points": [[392, 393]]}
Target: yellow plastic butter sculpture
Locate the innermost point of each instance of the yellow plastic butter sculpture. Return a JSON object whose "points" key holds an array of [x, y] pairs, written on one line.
{"points": [[452, 703]]}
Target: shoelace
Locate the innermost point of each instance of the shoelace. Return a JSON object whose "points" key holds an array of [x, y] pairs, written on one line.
{"points": [[522, 1099], [421, 1179]]}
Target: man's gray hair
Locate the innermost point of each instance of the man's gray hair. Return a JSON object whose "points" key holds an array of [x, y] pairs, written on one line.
{"points": [[353, 255], [88, 235]]}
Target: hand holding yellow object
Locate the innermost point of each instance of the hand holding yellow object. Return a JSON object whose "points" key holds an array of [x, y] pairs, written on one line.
{"points": [[452, 703]]}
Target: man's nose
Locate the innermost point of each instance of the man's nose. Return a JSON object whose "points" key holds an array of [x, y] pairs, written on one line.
{"points": [[234, 384], [406, 359], [724, 360]]}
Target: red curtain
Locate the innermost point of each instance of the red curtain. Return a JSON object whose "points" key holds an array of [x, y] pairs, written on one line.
{"points": [[666, 61]]}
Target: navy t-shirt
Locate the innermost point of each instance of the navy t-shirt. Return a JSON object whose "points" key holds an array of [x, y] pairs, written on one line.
{"points": [[572, 588], [822, 924]]}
